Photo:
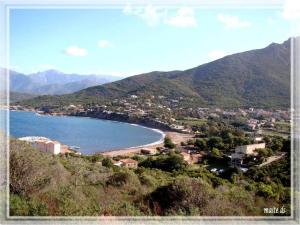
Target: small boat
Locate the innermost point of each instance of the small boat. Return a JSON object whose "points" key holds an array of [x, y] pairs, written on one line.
{"points": [[74, 147]]}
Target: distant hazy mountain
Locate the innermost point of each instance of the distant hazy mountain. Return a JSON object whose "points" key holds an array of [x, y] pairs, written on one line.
{"points": [[54, 82]]}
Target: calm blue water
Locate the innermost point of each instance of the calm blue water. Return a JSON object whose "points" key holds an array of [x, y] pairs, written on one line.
{"points": [[91, 135]]}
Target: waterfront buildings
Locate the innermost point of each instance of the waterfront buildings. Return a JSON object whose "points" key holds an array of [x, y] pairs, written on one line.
{"points": [[43, 144]]}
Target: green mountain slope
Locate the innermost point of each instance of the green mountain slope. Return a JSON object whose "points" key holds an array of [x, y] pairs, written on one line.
{"points": [[259, 78], [17, 96]]}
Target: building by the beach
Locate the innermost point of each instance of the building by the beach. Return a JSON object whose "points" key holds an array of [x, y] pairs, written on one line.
{"points": [[129, 163], [43, 144]]}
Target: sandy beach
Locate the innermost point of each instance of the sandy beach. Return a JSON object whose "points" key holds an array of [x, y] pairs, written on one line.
{"points": [[176, 137]]}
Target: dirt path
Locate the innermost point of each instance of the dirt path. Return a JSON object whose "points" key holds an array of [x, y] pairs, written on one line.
{"points": [[272, 159]]}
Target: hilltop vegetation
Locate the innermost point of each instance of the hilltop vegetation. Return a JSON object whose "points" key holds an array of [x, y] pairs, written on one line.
{"points": [[257, 78], [71, 185], [17, 96]]}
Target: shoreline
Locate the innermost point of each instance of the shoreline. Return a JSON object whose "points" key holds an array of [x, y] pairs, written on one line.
{"points": [[176, 137]]}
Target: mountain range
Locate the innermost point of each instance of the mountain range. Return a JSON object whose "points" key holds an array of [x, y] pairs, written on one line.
{"points": [[255, 78], [53, 82]]}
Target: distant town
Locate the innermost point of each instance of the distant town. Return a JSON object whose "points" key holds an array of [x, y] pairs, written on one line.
{"points": [[219, 138]]}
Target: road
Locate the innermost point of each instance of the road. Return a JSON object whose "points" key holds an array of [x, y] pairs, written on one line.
{"points": [[272, 159]]}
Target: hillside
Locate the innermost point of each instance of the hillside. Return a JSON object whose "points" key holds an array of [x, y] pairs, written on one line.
{"points": [[16, 96], [68, 185], [259, 78]]}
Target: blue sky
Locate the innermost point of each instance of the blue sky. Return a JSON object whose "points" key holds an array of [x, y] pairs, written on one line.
{"points": [[130, 40]]}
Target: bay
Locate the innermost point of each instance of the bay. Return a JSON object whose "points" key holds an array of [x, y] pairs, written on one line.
{"points": [[91, 135]]}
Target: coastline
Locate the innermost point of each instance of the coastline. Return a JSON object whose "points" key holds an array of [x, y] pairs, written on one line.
{"points": [[175, 136]]}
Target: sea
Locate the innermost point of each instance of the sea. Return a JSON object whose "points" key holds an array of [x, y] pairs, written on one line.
{"points": [[89, 134]]}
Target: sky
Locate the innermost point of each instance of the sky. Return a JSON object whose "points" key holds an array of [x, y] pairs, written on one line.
{"points": [[131, 40]]}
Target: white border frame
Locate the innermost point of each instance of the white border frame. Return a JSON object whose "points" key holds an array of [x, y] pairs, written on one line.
{"points": [[5, 6]]}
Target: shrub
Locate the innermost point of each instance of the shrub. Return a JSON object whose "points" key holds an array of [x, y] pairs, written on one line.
{"points": [[185, 195], [107, 162], [168, 143], [167, 163], [200, 143]]}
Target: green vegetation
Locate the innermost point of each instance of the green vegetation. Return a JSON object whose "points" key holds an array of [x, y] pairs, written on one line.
{"points": [[168, 143], [192, 121], [73, 185], [258, 78], [16, 96], [171, 162]]}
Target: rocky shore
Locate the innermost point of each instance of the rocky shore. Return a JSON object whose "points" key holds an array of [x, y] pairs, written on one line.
{"points": [[143, 121]]}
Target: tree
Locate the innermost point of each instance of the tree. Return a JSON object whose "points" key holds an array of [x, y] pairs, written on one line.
{"points": [[166, 163], [228, 138], [276, 144], [107, 162], [240, 141], [168, 143], [215, 142], [267, 140], [200, 143], [216, 153]]}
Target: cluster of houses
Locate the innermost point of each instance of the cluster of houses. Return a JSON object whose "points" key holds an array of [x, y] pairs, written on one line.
{"points": [[254, 124], [250, 112]]}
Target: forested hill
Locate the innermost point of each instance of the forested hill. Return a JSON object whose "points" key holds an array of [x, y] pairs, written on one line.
{"points": [[259, 78]]}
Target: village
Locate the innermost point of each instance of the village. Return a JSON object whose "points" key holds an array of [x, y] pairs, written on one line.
{"points": [[217, 138], [174, 114]]}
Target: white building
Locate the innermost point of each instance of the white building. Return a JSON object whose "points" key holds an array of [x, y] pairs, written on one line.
{"points": [[43, 144], [249, 149], [241, 152]]}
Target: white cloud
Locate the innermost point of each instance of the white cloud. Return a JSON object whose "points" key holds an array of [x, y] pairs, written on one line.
{"points": [[184, 18], [104, 44], [291, 10], [291, 13], [232, 22], [150, 14], [76, 51], [216, 54]]}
